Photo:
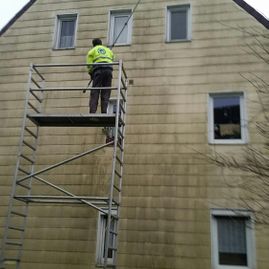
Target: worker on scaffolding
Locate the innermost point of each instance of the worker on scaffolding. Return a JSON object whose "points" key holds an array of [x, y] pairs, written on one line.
{"points": [[101, 75]]}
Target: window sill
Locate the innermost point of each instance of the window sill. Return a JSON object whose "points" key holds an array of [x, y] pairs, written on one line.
{"points": [[101, 265], [228, 142], [178, 41], [120, 45], [231, 267], [73, 48]]}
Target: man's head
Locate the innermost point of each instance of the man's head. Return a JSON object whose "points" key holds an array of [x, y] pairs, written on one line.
{"points": [[96, 42]]}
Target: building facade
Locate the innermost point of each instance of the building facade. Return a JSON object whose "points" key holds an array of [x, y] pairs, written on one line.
{"points": [[190, 65]]}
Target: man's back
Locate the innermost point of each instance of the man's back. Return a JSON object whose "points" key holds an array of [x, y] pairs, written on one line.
{"points": [[99, 54], [100, 74]]}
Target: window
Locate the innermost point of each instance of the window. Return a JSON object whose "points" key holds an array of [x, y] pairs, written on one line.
{"points": [[232, 239], [112, 106], [178, 23], [65, 31], [120, 30], [226, 118], [101, 240]]}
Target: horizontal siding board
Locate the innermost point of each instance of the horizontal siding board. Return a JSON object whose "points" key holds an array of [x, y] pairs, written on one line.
{"points": [[168, 184]]}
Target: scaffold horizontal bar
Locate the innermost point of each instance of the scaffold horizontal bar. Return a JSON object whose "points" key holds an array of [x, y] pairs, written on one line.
{"points": [[123, 96], [38, 73], [14, 243], [28, 145], [101, 201], [47, 89], [24, 171], [122, 108], [18, 214], [33, 107], [30, 132], [116, 187], [24, 186], [16, 228], [36, 83], [70, 65], [36, 97], [79, 120], [124, 84], [27, 158]]}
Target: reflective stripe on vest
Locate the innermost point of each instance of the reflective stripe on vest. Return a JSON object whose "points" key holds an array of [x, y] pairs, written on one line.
{"points": [[103, 57]]}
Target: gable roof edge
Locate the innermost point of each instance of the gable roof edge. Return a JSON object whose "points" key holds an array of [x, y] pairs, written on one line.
{"points": [[17, 15], [253, 12]]}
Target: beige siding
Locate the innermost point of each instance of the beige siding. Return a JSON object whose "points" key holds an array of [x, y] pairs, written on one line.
{"points": [[168, 188]]}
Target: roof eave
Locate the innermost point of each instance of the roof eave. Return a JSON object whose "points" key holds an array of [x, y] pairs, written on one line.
{"points": [[258, 16], [13, 20], [253, 12]]}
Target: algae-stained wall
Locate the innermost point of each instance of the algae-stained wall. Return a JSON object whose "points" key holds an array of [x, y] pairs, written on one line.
{"points": [[168, 187]]}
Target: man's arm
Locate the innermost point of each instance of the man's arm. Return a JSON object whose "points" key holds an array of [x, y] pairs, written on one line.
{"points": [[90, 61]]}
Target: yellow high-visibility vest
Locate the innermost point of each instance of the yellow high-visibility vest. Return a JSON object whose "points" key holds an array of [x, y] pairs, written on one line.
{"points": [[99, 54]]}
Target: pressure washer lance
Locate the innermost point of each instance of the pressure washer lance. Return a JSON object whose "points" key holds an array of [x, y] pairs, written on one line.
{"points": [[125, 24], [115, 41], [87, 86]]}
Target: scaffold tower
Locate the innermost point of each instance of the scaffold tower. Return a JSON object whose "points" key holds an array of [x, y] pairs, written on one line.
{"points": [[36, 116]]}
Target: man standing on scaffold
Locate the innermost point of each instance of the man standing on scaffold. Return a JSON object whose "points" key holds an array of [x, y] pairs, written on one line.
{"points": [[101, 75]]}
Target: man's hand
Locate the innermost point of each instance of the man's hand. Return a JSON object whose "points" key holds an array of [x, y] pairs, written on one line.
{"points": [[88, 84]]}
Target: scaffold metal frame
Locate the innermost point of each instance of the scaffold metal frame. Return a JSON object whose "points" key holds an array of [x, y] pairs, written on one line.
{"points": [[34, 118]]}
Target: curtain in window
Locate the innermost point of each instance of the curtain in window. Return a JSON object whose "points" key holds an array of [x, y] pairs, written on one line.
{"points": [[67, 34], [232, 240], [178, 23], [111, 237], [227, 117], [119, 22], [232, 235]]}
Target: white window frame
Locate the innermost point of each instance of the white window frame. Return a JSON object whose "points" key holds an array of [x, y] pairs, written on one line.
{"points": [[117, 13], [58, 25], [250, 237], [243, 119], [188, 24], [111, 105], [100, 240]]}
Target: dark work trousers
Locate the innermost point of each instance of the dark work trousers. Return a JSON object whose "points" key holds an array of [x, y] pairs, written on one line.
{"points": [[102, 77]]}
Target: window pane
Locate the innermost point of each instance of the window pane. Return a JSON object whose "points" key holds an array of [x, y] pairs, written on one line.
{"points": [[67, 33], [111, 238], [119, 25], [227, 117], [232, 240], [178, 24]]}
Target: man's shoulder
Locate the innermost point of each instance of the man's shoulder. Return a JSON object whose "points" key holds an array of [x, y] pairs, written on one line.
{"points": [[105, 47], [91, 50], [97, 48]]}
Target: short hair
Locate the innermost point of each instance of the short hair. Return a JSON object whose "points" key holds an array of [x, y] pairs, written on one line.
{"points": [[96, 41]]}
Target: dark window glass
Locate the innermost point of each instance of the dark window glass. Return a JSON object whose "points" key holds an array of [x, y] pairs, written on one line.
{"points": [[227, 117], [111, 238], [178, 24], [67, 33], [115, 108], [120, 29], [232, 241]]}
